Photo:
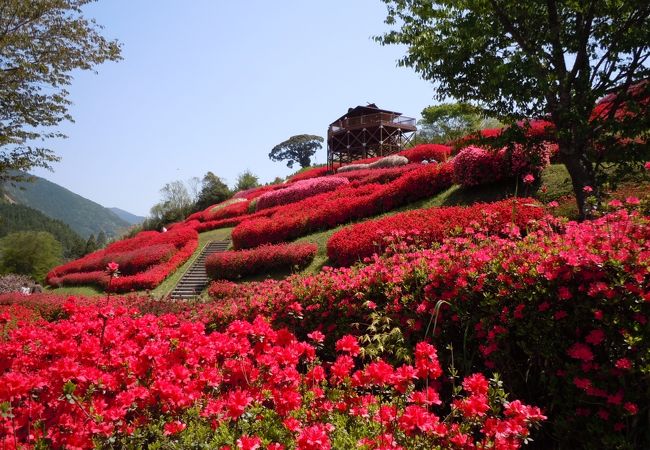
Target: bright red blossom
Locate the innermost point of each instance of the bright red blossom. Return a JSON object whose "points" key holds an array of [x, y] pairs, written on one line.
{"points": [[580, 351]]}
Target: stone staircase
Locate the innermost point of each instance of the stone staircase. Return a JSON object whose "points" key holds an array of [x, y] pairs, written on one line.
{"points": [[194, 280]]}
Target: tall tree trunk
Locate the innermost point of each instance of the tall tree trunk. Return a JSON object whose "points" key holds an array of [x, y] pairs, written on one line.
{"points": [[582, 174]]}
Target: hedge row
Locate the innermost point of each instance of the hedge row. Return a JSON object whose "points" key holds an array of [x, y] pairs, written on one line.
{"points": [[264, 259], [348, 203], [426, 226]]}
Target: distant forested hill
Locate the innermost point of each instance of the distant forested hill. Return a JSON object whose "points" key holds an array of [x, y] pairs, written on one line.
{"points": [[84, 216], [127, 216], [15, 218]]}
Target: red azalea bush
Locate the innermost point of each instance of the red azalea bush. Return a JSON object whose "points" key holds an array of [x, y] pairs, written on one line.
{"points": [[314, 172], [569, 303], [419, 153], [156, 274], [426, 226], [299, 190], [328, 210], [533, 129], [141, 259], [107, 375], [145, 261], [267, 258]]}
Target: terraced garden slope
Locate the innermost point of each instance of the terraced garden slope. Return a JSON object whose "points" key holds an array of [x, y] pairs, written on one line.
{"points": [[447, 304]]}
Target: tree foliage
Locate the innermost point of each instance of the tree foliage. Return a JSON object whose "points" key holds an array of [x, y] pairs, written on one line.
{"points": [[213, 190], [176, 203], [297, 149], [31, 253], [246, 180], [14, 217], [529, 59], [448, 122], [41, 44]]}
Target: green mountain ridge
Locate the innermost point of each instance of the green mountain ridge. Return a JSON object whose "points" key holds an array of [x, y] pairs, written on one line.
{"points": [[131, 218], [82, 215]]}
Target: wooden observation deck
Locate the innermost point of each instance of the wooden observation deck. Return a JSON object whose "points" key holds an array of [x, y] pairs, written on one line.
{"points": [[367, 132]]}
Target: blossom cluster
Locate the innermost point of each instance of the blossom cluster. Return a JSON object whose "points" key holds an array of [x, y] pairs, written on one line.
{"points": [[313, 172], [231, 265], [145, 261], [382, 176], [475, 166], [107, 373], [428, 152], [425, 226], [229, 208], [340, 206], [299, 190]]}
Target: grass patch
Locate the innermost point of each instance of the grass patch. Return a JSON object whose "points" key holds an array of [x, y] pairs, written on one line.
{"points": [[320, 239], [82, 291], [558, 183], [170, 282]]}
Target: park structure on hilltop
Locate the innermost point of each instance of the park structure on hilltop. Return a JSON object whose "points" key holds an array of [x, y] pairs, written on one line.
{"points": [[367, 132]]}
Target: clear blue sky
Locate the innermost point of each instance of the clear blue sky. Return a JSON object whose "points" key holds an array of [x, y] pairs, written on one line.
{"points": [[213, 85]]}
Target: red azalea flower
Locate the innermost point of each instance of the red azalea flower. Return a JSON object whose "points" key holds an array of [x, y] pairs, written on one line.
{"points": [[595, 337], [249, 443], [313, 438], [623, 363], [581, 352], [348, 344], [631, 408], [174, 427], [316, 336]]}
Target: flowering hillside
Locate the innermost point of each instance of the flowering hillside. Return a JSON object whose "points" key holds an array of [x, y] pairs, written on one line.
{"points": [[396, 353], [455, 327]]}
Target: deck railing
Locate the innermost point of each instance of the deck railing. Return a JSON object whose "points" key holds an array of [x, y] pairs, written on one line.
{"points": [[370, 120]]}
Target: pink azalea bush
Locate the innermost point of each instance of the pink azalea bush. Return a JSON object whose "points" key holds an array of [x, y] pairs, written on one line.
{"points": [[299, 190], [475, 166], [231, 265]]}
